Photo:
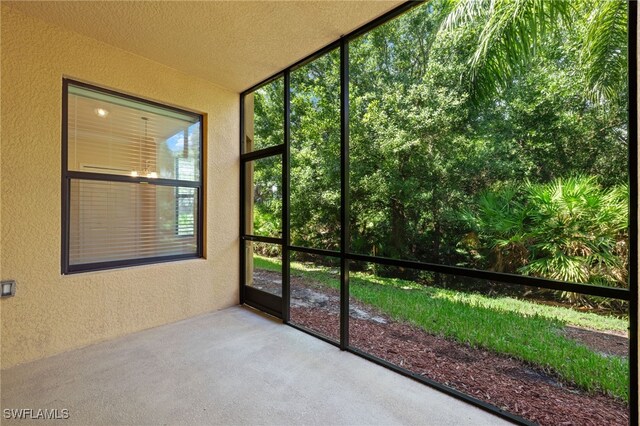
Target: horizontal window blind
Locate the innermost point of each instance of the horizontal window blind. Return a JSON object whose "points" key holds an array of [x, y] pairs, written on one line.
{"points": [[119, 220], [133, 181]]}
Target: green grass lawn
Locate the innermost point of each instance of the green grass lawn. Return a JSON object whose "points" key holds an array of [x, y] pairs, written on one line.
{"points": [[522, 329]]}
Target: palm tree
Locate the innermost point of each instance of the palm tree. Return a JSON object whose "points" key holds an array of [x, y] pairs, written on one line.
{"points": [[513, 31], [570, 229], [604, 53], [578, 231]]}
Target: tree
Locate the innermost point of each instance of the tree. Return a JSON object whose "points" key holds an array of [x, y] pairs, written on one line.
{"points": [[424, 145], [315, 153], [514, 31], [571, 229]]}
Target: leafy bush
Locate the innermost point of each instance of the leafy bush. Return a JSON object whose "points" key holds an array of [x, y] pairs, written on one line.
{"points": [[571, 229]]}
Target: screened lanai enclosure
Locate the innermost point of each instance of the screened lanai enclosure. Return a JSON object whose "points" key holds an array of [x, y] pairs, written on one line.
{"points": [[451, 191]]}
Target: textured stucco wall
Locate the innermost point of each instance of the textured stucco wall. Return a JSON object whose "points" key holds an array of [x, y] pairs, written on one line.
{"points": [[205, 33], [52, 313]]}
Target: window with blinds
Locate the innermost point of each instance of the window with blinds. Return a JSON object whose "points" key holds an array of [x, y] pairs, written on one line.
{"points": [[132, 180]]}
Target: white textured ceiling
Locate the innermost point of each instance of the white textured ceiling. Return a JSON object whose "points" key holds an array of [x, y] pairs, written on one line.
{"points": [[234, 44]]}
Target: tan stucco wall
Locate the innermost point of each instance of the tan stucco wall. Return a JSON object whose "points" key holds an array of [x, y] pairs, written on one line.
{"points": [[52, 313]]}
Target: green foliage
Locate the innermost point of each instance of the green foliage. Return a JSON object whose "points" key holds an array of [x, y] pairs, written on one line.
{"points": [[529, 337], [269, 115], [429, 156], [514, 32], [315, 153], [570, 229], [267, 196], [604, 54]]}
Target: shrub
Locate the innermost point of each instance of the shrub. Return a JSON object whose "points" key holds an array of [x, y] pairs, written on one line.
{"points": [[570, 229]]}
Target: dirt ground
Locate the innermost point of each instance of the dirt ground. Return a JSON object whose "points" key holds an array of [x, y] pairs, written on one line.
{"points": [[605, 342]]}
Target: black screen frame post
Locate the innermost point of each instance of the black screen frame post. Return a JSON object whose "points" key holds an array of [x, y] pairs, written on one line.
{"points": [[241, 190], [286, 190], [67, 176], [345, 205], [632, 57]]}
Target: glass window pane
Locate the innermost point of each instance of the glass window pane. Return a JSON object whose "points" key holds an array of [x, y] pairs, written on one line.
{"points": [[264, 267], [263, 197], [315, 153], [264, 117], [548, 356], [315, 293], [121, 221], [523, 173], [110, 134], [186, 211]]}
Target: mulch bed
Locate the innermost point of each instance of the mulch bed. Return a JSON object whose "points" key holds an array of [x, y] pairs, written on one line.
{"points": [[507, 383]]}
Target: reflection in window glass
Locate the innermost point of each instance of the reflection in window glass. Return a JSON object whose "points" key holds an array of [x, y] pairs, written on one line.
{"points": [[108, 134], [185, 206], [112, 221], [132, 183]]}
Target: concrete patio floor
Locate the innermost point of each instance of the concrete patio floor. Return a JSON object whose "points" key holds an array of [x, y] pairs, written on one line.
{"points": [[228, 367]]}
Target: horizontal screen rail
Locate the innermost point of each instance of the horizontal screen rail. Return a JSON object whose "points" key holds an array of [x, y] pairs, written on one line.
{"points": [[261, 239], [319, 252], [263, 153], [593, 290]]}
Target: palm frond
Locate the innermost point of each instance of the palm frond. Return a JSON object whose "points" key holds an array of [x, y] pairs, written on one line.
{"points": [[570, 229], [604, 52], [511, 34], [466, 11]]}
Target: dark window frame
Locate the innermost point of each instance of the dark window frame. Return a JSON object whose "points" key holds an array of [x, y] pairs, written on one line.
{"points": [[67, 176], [280, 307]]}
